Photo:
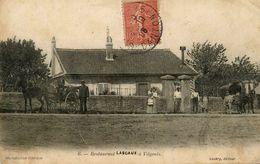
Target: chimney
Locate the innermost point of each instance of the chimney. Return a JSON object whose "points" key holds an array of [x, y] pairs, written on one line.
{"points": [[182, 48], [53, 42], [53, 47], [109, 47]]}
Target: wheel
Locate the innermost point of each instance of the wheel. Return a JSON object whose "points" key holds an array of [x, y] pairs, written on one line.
{"points": [[52, 104], [72, 102]]}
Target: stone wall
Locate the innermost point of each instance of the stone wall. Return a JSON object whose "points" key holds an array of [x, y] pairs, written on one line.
{"points": [[13, 101], [122, 104], [108, 104], [161, 105], [216, 104], [118, 104]]}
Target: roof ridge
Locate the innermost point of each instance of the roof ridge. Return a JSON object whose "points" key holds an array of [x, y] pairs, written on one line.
{"points": [[103, 49], [77, 49]]}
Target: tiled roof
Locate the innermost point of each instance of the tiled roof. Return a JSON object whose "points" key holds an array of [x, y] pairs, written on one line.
{"points": [[93, 61]]}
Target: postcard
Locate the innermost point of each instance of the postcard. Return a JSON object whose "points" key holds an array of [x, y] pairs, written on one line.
{"points": [[129, 81]]}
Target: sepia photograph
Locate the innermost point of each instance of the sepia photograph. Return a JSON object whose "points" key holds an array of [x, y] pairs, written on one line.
{"points": [[129, 81]]}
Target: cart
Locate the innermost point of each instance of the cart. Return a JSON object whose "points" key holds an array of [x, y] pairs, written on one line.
{"points": [[65, 99]]}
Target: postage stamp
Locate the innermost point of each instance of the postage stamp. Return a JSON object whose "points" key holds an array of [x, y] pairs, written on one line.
{"points": [[142, 23]]}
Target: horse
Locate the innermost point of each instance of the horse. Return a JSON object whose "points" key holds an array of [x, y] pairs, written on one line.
{"points": [[237, 96], [238, 100], [29, 91]]}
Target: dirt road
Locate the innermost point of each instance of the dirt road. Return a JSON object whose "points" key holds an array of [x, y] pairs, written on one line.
{"points": [[145, 131]]}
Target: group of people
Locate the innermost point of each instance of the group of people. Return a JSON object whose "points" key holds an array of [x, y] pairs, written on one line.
{"points": [[195, 101]]}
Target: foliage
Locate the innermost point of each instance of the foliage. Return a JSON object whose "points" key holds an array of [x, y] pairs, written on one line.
{"points": [[22, 58], [214, 71], [208, 59], [243, 69]]}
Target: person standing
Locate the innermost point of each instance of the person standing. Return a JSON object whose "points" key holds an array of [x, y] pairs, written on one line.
{"points": [[195, 101], [251, 98], [150, 102], [83, 97], [228, 99], [205, 102], [177, 100], [152, 95]]}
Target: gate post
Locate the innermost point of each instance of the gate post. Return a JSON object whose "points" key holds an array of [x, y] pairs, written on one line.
{"points": [[185, 93], [168, 89]]}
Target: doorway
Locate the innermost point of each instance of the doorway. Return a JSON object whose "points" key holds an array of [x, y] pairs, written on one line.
{"points": [[143, 89]]}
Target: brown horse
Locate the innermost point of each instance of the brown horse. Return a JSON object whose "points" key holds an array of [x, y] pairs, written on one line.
{"points": [[29, 91]]}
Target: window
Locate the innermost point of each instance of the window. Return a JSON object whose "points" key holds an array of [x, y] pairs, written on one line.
{"points": [[103, 88], [92, 89], [115, 89], [127, 89], [123, 89]]}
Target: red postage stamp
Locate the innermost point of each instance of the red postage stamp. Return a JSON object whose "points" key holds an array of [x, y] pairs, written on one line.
{"points": [[142, 24]]}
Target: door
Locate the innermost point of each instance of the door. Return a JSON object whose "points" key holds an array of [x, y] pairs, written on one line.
{"points": [[142, 89]]}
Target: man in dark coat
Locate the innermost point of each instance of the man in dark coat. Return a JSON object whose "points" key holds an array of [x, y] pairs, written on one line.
{"points": [[83, 97]]}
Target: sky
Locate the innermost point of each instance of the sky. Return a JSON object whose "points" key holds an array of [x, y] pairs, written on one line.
{"points": [[83, 23]]}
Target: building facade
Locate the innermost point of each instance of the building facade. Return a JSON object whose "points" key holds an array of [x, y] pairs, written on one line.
{"points": [[116, 71]]}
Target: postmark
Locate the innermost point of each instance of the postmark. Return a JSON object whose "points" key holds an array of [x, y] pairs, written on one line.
{"points": [[142, 25]]}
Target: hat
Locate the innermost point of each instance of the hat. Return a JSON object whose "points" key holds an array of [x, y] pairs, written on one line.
{"points": [[82, 82]]}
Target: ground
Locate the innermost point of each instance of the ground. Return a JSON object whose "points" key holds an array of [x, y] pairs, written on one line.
{"points": [[131, 130]]}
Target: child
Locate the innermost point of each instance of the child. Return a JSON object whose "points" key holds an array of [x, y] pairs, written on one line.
{"points": [[204, 104]]}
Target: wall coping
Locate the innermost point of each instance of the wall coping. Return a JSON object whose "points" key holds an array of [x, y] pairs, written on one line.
{"points": [[168, 77], [185, 77]]}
